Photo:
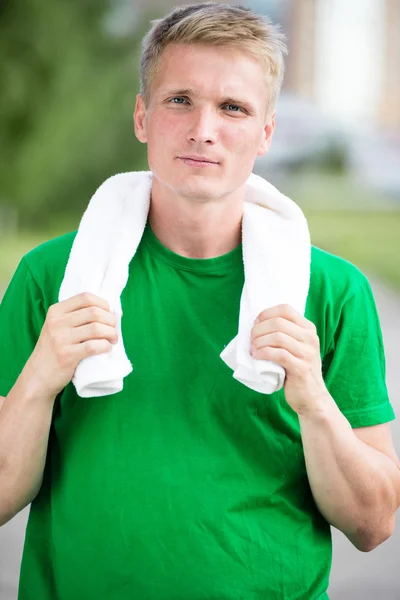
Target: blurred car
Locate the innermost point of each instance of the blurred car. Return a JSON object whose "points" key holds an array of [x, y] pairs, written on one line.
{"points": [[303, 135], [374, 157]]}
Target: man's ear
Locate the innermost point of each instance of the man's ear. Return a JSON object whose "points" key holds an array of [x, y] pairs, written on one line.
{"points": [[267, 135], [139, 119]]}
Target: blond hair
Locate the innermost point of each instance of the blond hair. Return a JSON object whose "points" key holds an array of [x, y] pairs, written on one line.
{"points": [[216, 24]]}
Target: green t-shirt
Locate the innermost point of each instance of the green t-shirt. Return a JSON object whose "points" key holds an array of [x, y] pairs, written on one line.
{"points": [[186, 485]]}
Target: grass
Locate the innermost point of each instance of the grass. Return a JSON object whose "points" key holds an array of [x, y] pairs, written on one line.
{"points": [[12, 248], [352, 221], [370, 240]]}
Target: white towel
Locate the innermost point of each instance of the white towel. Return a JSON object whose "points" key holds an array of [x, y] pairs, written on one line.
{"points": [[276, 254]]}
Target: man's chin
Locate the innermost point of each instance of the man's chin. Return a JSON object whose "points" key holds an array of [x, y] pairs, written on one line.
{"points": [[199, 193]]}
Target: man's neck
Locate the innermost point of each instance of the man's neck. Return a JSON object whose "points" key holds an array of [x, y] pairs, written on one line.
{"points": [[197, 230]]}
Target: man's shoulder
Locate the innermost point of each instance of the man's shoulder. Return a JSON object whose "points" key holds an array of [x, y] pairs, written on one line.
{"points": [[48, 260], [334, 277]]}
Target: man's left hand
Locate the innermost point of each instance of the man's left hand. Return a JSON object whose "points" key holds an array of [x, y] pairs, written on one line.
{"points": [[284, 336]]}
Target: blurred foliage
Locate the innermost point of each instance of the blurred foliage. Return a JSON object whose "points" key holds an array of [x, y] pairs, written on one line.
{"points": [[332, 160], [68, 94]]}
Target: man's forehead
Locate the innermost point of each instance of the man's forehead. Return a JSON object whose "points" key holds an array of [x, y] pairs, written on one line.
{"points": [[192, 67]]}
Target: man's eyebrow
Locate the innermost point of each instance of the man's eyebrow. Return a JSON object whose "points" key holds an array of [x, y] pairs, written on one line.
{"points": [[180, 92]]}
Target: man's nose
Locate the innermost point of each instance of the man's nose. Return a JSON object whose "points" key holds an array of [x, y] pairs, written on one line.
{"points": [[203, 126]]}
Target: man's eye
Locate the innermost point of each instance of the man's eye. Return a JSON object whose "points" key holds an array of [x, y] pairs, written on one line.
{"points": [[233, 107], [178, 100]]}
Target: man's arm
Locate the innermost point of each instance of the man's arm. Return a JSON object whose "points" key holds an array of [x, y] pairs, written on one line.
{"points": [[25, 419], [355, 485], [74, 329]]}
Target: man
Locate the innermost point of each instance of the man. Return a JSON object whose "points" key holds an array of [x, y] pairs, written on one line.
{"points": [[187, 484]]}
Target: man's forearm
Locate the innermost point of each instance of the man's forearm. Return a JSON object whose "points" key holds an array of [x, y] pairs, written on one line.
{"points": [[355, 486], [25, 421]]}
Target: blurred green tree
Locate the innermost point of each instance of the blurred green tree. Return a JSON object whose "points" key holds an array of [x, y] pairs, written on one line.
{"points": [[68, 93]]}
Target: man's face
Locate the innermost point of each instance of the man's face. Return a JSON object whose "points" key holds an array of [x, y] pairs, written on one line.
{"points": [[205, 122]]}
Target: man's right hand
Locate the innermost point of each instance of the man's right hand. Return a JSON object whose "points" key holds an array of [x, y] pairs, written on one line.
{"points": [[74, 329]]}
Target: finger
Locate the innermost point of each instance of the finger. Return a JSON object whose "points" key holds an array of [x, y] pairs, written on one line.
{"points": [[287, 312], [83, 300], [90, 315], [93, 331], [280, 356], [89, 348], [279, 340], [277, 324]]}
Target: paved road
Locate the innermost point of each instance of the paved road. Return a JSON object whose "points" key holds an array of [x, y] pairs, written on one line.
{"points": [[355, 575], [375, 575]]}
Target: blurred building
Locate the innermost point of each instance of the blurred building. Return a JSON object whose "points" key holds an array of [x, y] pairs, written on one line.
{"points": [[345, 56], [300, 64], [390, 100]]}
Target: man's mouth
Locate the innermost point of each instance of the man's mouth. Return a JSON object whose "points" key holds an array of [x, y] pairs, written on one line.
{"points": [[197, 161]]}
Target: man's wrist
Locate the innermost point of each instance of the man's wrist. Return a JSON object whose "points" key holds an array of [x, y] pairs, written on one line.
{"points": [[322, 412], [29, 387]]}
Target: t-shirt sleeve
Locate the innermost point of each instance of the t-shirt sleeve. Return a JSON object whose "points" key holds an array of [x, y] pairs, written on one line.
{"points": [[22, 315], [354, 367]]}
